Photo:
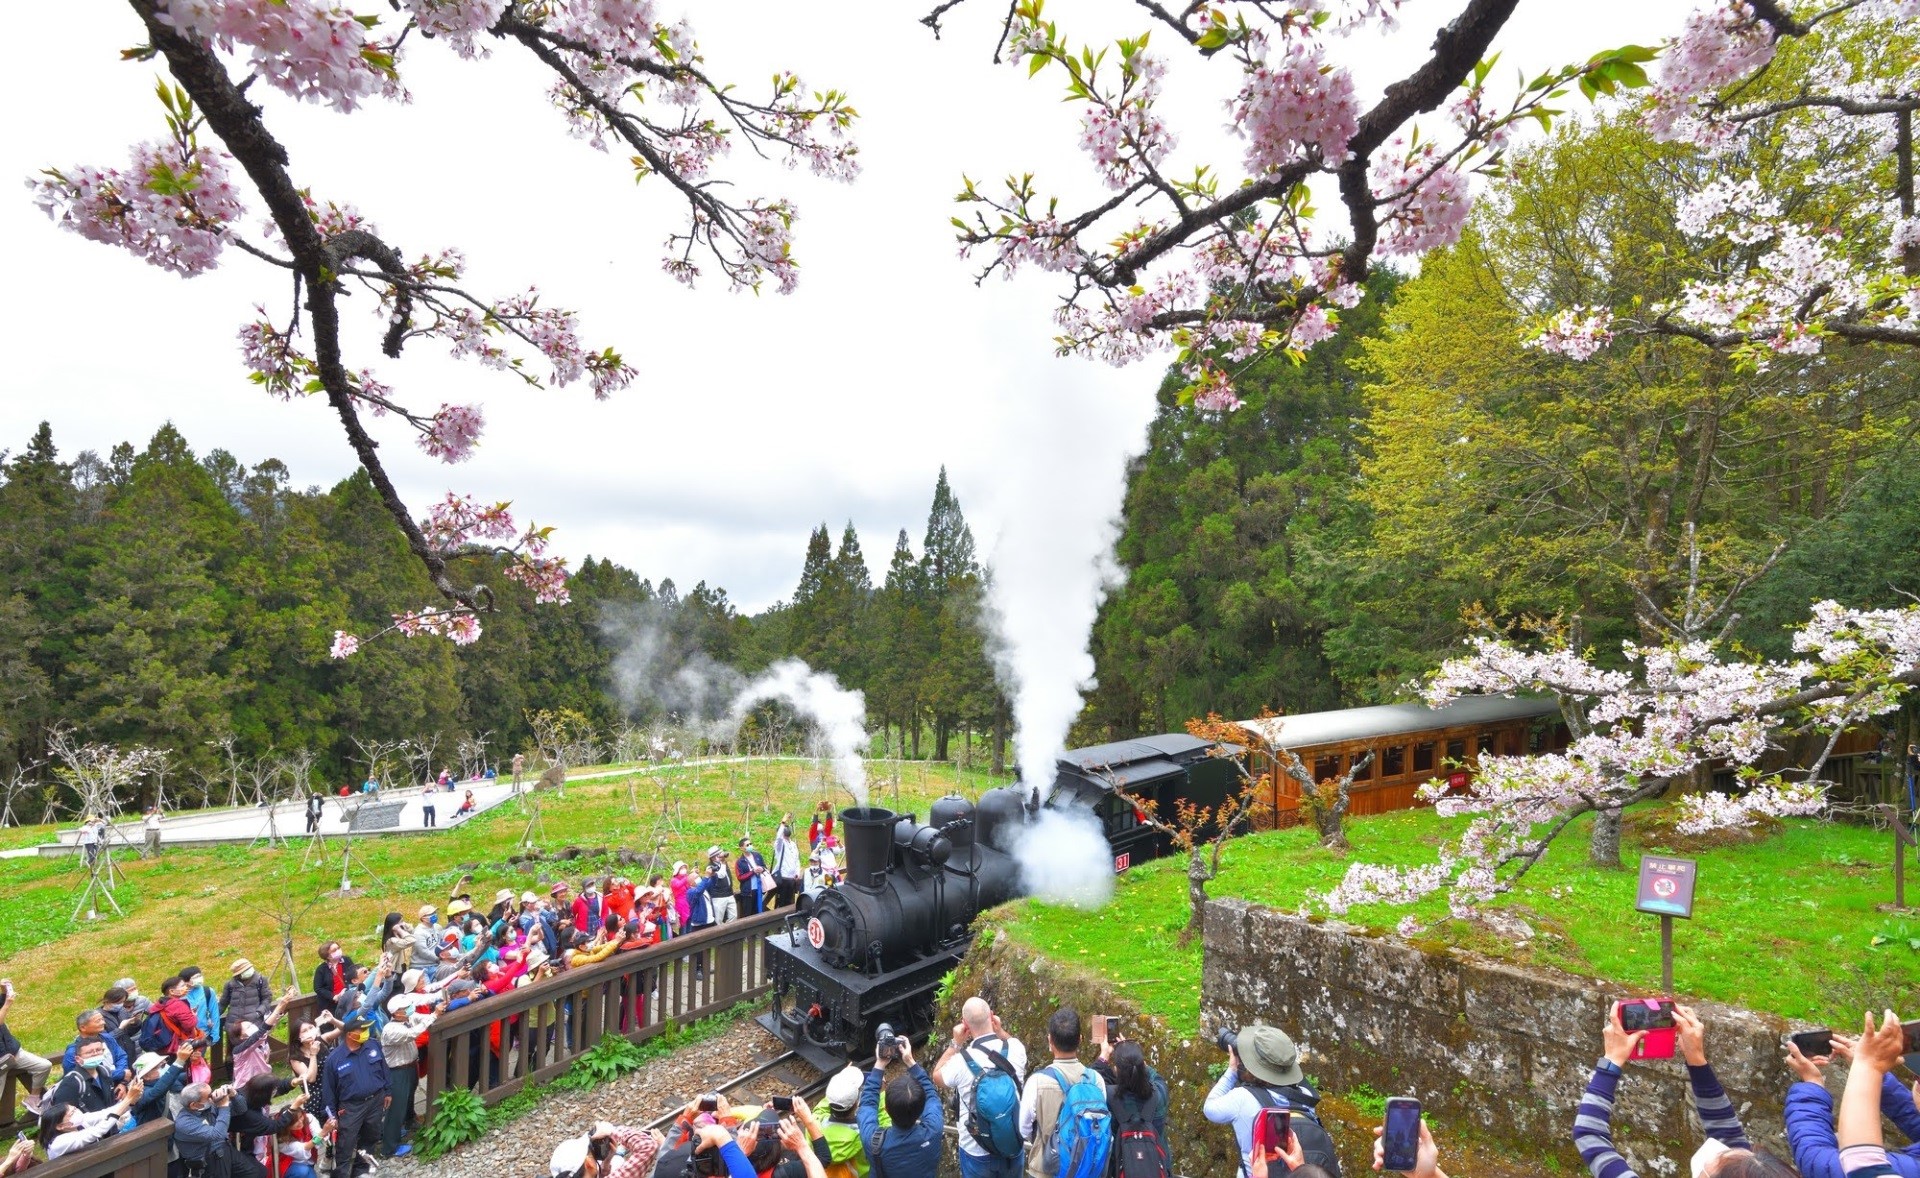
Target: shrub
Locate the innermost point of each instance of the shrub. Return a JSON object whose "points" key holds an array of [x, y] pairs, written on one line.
{"points": [[614, 1056], [459, 1116]]}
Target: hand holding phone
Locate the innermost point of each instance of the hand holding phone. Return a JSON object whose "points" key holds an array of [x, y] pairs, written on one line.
{"points": [[710, 1103], [782, 1104], [1273, 1131], [1653, 1019], [1400, 1135]]}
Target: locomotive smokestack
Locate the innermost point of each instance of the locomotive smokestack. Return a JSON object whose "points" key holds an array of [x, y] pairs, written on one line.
{"points": [[869, 835]]}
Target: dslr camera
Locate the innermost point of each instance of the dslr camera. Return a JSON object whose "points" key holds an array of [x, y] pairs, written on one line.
{"points": [[1227, 1038], [886, 1044]]}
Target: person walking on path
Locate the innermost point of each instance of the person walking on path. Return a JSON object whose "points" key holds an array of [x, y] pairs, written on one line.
{"points": [[315, 805], [428, 818], [150, 827]]}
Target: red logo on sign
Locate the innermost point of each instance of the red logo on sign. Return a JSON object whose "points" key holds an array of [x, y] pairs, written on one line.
{"points": [[1664, 887], [816, 934], [1122, 862]]}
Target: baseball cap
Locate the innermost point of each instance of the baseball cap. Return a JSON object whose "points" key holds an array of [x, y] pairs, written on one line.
{"points": [[427, 910], [147, 1062], [529, 898], [569, 1157], [843, 1091]]}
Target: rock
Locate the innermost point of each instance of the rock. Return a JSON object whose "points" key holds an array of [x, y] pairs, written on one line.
{"points": [[569, 853]]}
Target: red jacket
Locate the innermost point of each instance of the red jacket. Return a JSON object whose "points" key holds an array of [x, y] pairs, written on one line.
{"points": [[178, 1017]]}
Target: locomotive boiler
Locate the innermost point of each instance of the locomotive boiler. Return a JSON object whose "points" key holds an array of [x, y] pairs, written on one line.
{"points": [[874, 948]]}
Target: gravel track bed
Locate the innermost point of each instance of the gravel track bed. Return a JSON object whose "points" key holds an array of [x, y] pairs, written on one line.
{"points": [[522, 1147]]}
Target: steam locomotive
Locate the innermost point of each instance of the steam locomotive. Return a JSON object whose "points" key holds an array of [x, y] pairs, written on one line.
{"points": [[874, 949]]}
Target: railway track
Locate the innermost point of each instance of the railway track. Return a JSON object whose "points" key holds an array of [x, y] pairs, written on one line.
{"points": [[783, 1073]]}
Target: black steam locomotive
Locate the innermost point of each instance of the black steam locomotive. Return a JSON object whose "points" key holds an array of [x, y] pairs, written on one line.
{"points": [[874, 949]]}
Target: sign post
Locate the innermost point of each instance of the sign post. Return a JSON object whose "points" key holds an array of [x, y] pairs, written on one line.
{"points": [[1902, 839], [1666, 891]]}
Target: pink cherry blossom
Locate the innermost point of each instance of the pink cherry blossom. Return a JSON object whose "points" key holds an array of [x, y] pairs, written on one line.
{"points": [[1295, 103], [1425, 199], [1577, 332], [344, 644], [1718, 46], [171, 208], [457, 22], [451, 434], [312, 49]]}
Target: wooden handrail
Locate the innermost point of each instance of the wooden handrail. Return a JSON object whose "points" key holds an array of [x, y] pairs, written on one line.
{"points": [[493, 1045], [139, 1154]]}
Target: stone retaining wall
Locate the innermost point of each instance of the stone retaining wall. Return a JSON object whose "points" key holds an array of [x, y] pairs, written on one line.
{"points": [[1505, 1050]]}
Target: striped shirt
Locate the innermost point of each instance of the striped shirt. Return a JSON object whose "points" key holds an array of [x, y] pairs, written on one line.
{"points": [[1593, 1122]]}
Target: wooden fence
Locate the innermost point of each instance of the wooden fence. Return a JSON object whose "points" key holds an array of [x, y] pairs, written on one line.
{"points": [[538, 1030], [139, 1154]]}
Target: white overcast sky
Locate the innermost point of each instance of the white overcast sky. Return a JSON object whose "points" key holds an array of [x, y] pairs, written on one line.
{"points": [[754, 418]]}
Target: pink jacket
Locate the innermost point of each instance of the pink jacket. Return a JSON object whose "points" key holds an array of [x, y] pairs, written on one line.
{"points": [[680, 883]]}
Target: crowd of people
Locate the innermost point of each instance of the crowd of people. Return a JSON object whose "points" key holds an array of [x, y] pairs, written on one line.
{"points": [[346, 1092]]}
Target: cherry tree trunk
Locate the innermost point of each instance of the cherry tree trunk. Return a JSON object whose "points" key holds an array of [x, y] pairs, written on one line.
{"points": [[1197, 878], [1331, 822], [1604, 849]]}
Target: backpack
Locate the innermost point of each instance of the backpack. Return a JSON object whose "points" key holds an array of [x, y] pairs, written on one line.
{"points": [[155, 1035], [1140, 1152], [1305, 1124], [1082, 1132], [993, 1111]]}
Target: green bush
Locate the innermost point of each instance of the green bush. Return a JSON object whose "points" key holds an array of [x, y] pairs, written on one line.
{"points": [[459, 1116], [1371, 1104], [614, 1056]]}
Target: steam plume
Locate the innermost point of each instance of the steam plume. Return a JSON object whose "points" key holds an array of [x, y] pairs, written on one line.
{"points": [[838, 714]]}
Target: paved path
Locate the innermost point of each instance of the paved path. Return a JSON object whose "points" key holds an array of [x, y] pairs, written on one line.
{"points": [[253, 823]]}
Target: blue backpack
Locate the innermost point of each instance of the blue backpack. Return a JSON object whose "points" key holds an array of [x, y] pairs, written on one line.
{"points": [[993, 1114], [1083, 1132]]}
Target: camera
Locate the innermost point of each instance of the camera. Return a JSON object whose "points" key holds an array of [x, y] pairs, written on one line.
{"points": [[886, 1044], [710, 1103], [1227, 1038]]}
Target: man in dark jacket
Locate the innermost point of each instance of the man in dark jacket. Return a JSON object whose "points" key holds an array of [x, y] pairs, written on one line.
{"points": [[17, 1061], [122, 1023], [200, 1130], [163, 1077], [246, 996], [354, 1090], [911, 1147], [250, 1124], [89, 1086]]}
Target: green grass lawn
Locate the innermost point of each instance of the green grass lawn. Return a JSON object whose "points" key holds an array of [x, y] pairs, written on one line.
{"points": [[208, 907], [1787, 924]]}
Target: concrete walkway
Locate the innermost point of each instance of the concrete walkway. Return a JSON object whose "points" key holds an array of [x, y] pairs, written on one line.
{"points": [[206, 828]]}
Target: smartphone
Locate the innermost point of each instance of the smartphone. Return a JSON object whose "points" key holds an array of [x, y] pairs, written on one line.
{"points": [[769, 1130], [1400, 1139], [1912, 1032], [1113, 1028], [1813, 1043], [1655, 1017], [1274, 1130], [782, 1104], [710, 1103]]}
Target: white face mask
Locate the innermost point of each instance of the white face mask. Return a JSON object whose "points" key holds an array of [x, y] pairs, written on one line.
{"points": [[1707, 1157], [246, 975]]}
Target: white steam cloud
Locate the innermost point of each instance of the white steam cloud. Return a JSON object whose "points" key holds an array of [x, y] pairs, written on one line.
{"points": [[1064, 858], [839, 715], [1053, 562]]}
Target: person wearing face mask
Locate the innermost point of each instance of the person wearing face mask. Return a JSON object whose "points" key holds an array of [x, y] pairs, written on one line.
{"points": [[160, 1077], [354, 1092], [1727, 1152], [247, 1041], [426, 936], [66, 1128], [201, 999], [246, 995], [336, 970], [200, 1130], [307, 1053], [89, 1084]]}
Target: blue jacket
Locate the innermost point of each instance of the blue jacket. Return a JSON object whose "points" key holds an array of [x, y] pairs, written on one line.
{"points": [[1816, 1151], [912, 1152], [348, 1077], [152, 1104], [206, 1007], [197, 1136], [699, 914]]}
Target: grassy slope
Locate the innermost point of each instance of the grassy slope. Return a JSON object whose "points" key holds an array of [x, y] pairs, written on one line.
{"points": [[207, 907], [1787, 925]]}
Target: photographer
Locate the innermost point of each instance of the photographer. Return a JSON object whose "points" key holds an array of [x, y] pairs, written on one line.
{"points": [[200, 1136], [720, 889], [1809, 1116], [608, 1151], [1726, 1150], [1863, 1152], [1263, 1071], [981, 1047], [910, 1148], [1136, 1100], [1427, 1156], [66, 1128], [160, 1077], [252, 1117], [841, 1128]]}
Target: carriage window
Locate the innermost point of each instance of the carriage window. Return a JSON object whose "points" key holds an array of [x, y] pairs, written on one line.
{"points": [[1326, 767], [1510, 743], [1394, 762], [1485, 744], [1366, 774], [1423, 757], [1121, 815], [1456, 751]]}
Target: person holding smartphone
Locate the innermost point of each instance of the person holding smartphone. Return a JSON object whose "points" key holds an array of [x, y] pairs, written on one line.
{"points": [[1863, 1147], [1809, 1110], [911, 1146], [1263, 1072], [1593, 1121]]}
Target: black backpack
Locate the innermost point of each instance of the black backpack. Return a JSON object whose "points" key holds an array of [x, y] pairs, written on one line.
{"points": [[1138, 1151], [1305, 1124]]}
